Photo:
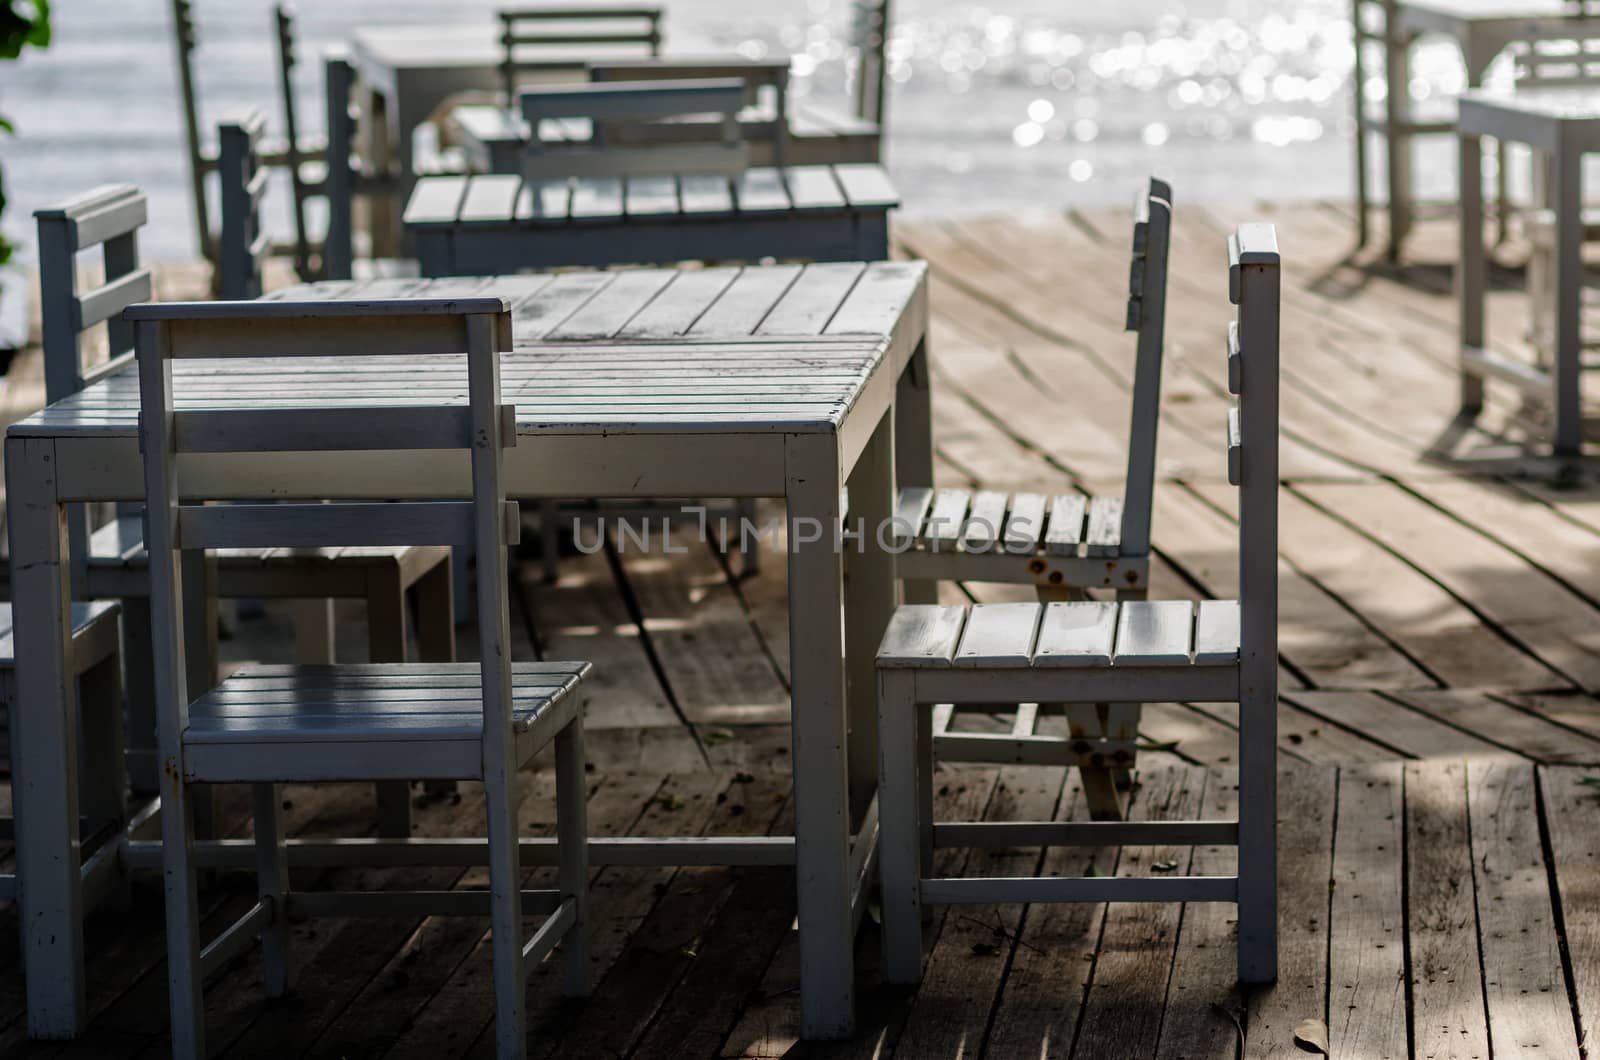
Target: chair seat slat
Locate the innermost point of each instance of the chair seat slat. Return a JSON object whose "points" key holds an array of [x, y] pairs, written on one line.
{"points": [[921, 635], [1104, 534], [910, 509], [1080, 633], [1025, 523], [999, 635], [984, 521], [1065, 531], [1216, 633], [949, 513], [1154, 633]]}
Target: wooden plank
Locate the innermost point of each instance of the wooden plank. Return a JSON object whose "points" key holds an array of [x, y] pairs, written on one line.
{"points": [[1411, 611], [628, 295], [1569, 801], [745, 303], [1076, 634], [1318, 633], [491, 198], [761, 191], [436, 200], [1527, 606], [808, 306], [1025, 523], [700, 634], [814, 188], [1404, 731], [1306, 799], [1154, 633], [651, 196], [966, 966], [999, 635], [1201, 1005], [1523, 979], [691, 292], [1446, 984], [1066, 524], [1515, 730], [947, 517], [1366, 955], [985, 519], [1041, 1000], [1138, 946]]}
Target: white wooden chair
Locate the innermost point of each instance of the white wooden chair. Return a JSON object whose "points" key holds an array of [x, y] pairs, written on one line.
{"points": [[537, 38], [109, 558], [102, 778], [1137, 651], [568, 125], [1063, 544], [268, 725]]}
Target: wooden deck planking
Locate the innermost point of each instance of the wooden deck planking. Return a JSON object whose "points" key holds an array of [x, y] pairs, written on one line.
{"points": [[1434, 610]]}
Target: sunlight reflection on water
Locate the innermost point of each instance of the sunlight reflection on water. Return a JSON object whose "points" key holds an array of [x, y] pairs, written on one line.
{"points": [[1026, 103]]}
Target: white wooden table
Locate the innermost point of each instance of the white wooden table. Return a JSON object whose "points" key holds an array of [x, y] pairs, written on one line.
{"points": [[407, 71], [1482, 29], [778, 381], [1562, 124]]}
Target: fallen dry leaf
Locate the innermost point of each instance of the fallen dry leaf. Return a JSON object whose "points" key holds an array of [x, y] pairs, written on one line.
{"points": [[1313, 1034]]}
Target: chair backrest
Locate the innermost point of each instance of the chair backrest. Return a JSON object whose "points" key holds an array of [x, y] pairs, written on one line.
{"points": [[760, 76], [244, 246], [1565, 55], [549, 37], [184, 40], [1147, 316], [1253, 285], [168, 333], [338, 247], [108, 217], [869, 36], [632, 102], [283, 25]]}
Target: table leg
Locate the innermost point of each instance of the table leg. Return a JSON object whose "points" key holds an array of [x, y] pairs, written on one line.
{"points": [[1397, 74], [1470, 270], [378, 139], [869, 599], [822, 819], [913, 446], [1568, 169], [44, 744]]}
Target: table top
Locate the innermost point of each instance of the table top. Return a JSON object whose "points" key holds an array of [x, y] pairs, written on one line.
{"points": [[757, 350], [1567, 103], [1490, 10]]}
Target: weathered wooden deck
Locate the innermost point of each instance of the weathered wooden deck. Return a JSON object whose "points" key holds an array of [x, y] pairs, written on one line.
{"points": [[1441, 638]]}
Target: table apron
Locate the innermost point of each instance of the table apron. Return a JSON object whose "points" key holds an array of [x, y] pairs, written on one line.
{"points": [[573, 465]]}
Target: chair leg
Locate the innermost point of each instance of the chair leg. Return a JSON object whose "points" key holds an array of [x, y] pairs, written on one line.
{"points": [[1258, 825], [926, 763], [143, 772], [183, 920], [572, 834], [386, 643], [435, 614], [272, 884], [899, 851], [1084, 722], [104, 774], [749, 544], [505, 917], [313, 632], [550, 539]]}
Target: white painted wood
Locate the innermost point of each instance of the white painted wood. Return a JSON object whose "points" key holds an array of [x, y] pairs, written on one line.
{"points": [[1076, 634], [999, 635], [946, 520], [1025, 523], [1216, 633], [1154, 633], [985, 520], [1066, 530], [921, 635]]}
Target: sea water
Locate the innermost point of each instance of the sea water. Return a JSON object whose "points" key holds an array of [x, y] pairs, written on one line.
{"points": [[1010, 105]]}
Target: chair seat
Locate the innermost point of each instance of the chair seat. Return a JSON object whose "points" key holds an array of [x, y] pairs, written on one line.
{"points": [[1091, 634], [990, 521], [87, 618], [370, 721]]}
